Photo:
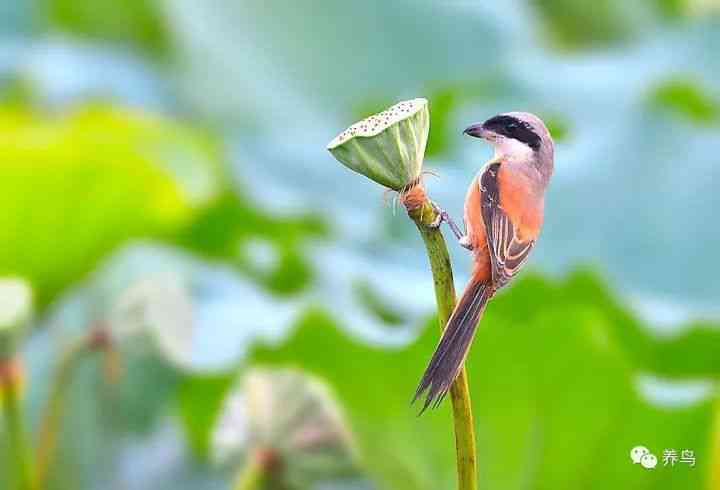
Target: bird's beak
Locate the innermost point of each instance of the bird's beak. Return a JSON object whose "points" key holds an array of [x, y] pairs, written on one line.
{"points": [[477, 131]]}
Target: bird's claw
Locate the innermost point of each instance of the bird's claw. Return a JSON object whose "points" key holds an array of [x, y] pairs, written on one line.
{"points": [[464, 242], [443, 215], [439, 218]]}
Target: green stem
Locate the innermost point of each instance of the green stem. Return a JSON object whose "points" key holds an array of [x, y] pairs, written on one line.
{"points": [[15, 423], [251, 475], [445, 297]]}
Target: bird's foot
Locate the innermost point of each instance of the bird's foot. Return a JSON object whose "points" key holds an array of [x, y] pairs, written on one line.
{"points": [[443, 215]]}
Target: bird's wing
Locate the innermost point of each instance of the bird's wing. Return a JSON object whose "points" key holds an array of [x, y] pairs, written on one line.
{"points": [[507, 251]]}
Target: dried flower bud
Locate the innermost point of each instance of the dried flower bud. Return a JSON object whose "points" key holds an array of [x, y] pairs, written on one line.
{"points": [[160, 307], [15, 312], [388, 147], [293, 420]]}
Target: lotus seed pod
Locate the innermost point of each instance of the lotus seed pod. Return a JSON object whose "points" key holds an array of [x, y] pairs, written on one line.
{"points": [[388, 147], [293, 418], [158, 307], [15, 312]]}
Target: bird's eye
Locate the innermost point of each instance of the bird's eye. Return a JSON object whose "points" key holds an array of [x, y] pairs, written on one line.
{"points": [[511, 126]]}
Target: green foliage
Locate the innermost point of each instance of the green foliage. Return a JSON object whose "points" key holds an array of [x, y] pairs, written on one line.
{"points": [[223, 230], [112, 175], [572, 24], [73, 187], [672, 9], [687, 99], [135, 22], [553, 377], [554, 365], [559, 128], [443, 103], [15, 91], [692, 353], [198, 401], [376, 304], [231, 219]]}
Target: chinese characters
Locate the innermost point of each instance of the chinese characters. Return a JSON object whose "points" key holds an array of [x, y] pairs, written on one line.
{"points": [[670, 457]]}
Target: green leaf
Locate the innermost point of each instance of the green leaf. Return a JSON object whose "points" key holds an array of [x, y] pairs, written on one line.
{"points": [[559, 127], [135, 22], [375, 304], [198, 401], [73, 187], [224, 229], [554, 382], [445, 99], [571, 24], [443, 103], [672, 9], [687, 99], [692, 352]]}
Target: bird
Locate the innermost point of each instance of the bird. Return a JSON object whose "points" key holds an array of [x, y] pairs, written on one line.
{"points": [[503, 214]]}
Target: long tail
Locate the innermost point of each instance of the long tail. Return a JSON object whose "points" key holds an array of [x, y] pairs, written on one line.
{"points": [[454, 344]]}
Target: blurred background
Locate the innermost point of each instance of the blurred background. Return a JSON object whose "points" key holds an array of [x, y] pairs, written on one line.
{"points": [[217, 303]]}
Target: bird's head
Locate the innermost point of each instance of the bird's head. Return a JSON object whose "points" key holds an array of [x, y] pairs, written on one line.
{"points": [[515, 135]]}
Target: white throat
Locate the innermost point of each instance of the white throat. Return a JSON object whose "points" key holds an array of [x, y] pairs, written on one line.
{"points": [[512, 150]]}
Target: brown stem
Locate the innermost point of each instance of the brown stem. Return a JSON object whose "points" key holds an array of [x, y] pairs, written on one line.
{"points": [[97, 340], [53, 412], [10, 388]]}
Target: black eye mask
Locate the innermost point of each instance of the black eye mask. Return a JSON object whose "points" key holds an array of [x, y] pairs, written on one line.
{"points": [[514, 128]]}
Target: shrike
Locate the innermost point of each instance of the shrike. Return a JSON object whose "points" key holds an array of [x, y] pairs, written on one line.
{"points": [[503, 217]]}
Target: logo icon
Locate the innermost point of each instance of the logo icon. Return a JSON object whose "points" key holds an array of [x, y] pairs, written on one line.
{"points": [[649, 461], [642, 455], [637, 453]]}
